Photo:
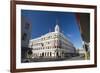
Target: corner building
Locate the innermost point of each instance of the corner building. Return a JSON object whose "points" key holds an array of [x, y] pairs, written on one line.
{"points": [[52, 45]]}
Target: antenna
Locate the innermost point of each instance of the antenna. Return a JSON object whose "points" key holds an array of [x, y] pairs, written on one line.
{"points": [[57, 22]]}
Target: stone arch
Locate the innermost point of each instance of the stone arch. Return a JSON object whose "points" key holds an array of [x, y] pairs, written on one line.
{"points": [[42, 54]]}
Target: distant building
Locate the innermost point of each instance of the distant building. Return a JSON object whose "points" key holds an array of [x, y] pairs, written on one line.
{"points": [[52, 45], [81, 51]]}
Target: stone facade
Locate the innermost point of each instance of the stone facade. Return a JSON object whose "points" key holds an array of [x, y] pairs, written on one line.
{"points": [[52, 45]]}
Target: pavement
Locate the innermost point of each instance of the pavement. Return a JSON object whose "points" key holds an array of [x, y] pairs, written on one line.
{"points": [[54, 59]]}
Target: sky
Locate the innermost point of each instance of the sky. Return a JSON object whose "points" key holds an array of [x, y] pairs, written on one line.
{"points": [[44, 21]]}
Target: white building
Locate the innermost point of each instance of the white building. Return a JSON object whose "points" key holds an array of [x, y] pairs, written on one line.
{"points": [[52, 45]]}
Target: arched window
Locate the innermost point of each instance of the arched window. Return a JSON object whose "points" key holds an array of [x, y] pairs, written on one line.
{"points": [[50, 53], [43, 54]]}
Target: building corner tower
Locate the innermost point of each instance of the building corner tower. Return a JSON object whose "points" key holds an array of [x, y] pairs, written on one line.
{"points": [[57, 29]]}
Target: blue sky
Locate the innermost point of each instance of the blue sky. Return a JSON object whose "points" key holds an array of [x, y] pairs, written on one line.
{"points": [[45, 21]]}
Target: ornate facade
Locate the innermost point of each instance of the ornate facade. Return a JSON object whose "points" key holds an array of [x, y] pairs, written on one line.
{"points": [[52, 45]]}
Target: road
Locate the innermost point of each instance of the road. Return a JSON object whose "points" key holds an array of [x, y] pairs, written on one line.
{"points": [[55, 59], [76, 58]]}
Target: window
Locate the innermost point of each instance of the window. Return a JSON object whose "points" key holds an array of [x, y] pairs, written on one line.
{"points": [[50, 53], [27, 25], [48, 42], [48, 37], [24, 36]]}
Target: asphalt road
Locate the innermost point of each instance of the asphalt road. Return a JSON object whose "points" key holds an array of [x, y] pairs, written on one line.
{"points": [[76, 58]]}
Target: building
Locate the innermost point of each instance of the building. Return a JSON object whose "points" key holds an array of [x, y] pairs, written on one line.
{"points": [[83, 20], [84, 26], [52, 45], [81, 51], [25, 37], [25, 32]]}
